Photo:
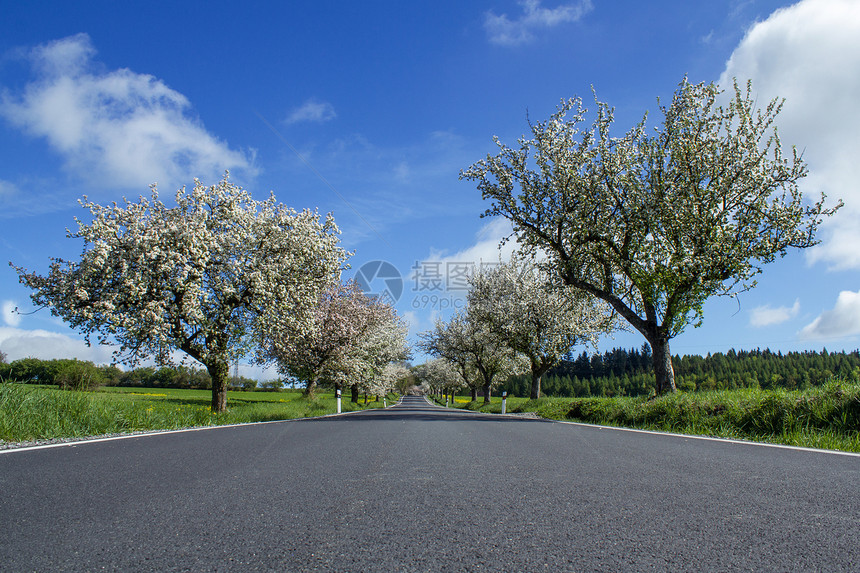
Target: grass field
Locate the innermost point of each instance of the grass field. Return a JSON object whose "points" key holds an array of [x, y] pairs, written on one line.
{"points": [[29, 413], [826, 417]]}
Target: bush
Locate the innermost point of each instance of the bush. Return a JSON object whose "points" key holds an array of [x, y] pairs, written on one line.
{"points": [[78, 375], [29, 370], [241, 383]]}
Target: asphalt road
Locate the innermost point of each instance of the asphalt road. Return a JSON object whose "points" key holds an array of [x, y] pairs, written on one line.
{"points": [[420, 488]]}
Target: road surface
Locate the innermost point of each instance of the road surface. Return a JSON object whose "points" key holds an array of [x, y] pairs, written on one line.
{"points": [[421, 488]]}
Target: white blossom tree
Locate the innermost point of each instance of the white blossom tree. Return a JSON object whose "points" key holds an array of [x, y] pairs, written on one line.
{"points": [[342, 317], [439, 377], [655, 223], [212, 277], [445, 341], [528, 310], [361, 362], [387, 347], [393, 375], [468, 344]]}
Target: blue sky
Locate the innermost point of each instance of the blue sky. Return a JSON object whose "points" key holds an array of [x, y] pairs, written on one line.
{"points": [[371, 109]]}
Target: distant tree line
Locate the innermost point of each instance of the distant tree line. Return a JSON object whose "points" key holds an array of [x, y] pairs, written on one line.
{"points": [[621, 372], [617, 372], [83, 375]]}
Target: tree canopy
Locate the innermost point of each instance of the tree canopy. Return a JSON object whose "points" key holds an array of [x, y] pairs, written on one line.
{"points": [[361, 363], [468, 344], [655, 222], [438, 376], [214, 277], [342, 318], [530, 312]]}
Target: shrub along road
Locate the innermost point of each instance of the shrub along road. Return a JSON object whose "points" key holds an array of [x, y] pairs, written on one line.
{"points": [[421, 488]]}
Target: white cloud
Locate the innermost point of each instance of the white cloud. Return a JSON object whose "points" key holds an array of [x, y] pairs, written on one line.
{"points": [[402, 172], [254, 372], [504, 31], [312, 110], [413, 321], [115, 128], [808, 54], [8, 190], [843, 320], [18, 343], [486, 249], [10, 313], [767, 316], [442, 280]]}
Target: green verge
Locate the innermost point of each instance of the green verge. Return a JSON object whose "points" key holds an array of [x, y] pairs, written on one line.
{"points": [[825, 417], [29, 413]]}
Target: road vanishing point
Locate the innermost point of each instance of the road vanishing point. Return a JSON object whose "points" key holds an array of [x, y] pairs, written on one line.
{"points": [[416, 487]]}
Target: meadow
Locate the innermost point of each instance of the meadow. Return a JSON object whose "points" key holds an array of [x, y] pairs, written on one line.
{"points": [[825, 417], [31, 413]]}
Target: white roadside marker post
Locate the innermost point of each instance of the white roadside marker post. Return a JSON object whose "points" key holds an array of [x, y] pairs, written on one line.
{"points": [[337, 393], [504, 401], [446, 400]]}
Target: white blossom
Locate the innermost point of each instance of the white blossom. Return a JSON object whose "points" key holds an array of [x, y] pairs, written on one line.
{"points": [[351, 338], [478, 356], [213, 276], [438, 376], [655, 223], [530, 311]]}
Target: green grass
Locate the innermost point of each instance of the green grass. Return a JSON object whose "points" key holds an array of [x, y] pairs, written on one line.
{"points": [[36, 412], [827, 417]]}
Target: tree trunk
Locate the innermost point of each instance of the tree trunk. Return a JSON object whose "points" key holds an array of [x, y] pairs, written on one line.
{"points": [[535, 390], [310, 386], [486, 391], [218, 371], [661, 357], [538, 370], [354, 393], [474, 390]]}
